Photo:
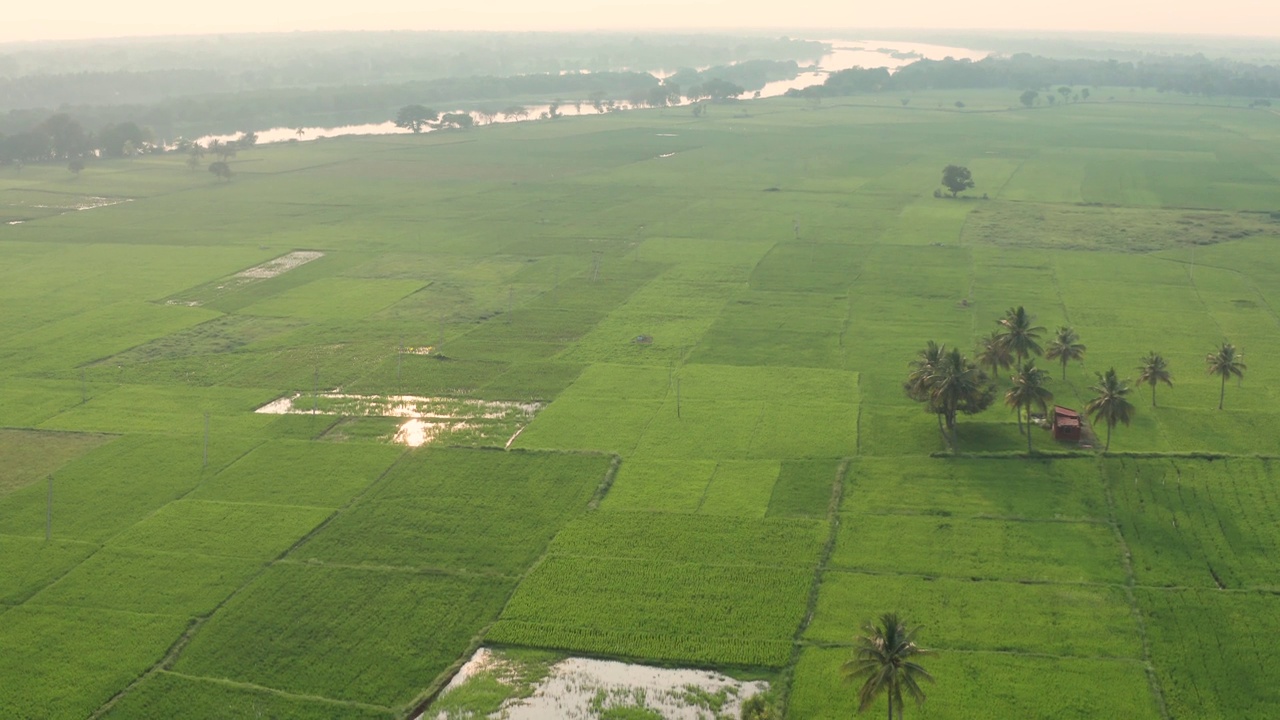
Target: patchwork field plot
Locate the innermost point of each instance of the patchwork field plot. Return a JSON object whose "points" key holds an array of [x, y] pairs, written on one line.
{"points": [[696, 447]]}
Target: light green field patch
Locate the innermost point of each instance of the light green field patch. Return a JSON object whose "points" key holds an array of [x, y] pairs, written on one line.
{"points": [[931, 221], [979, 549], [259, 532], [1063, 620], [740, 489], [167, 409], [648, 484], [942, 487], [66, 662], [141, 581], [335, 298], [1051, 177], [1032, 687]]}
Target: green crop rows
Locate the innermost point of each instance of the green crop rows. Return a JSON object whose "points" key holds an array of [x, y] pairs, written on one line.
{"points": [[722, 469]]}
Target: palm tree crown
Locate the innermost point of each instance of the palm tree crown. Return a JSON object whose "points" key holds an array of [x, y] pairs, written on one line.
{"points": [[1029, 391], [1110, 405], [1019, 334], [1225, 362], [957, 385], [1153, 370], [1065, 347], [993, 354], [883, 658]]}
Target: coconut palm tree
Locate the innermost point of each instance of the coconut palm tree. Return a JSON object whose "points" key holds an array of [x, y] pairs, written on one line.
{"points": [[1153, 370], [1064, 348], [1019, 334], [919, 381], [1224, 363], [1110, 405], [884, 659], [956, 386], [1028, 391], [993, 354]]}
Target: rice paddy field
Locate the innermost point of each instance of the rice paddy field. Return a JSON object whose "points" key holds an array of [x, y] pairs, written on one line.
{"points": [[666, 354]]}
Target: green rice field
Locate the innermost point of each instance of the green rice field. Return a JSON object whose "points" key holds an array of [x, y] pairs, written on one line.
{"points": [[681, 342]]}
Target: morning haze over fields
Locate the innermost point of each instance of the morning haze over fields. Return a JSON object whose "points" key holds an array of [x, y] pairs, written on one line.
{"points": [[623, 361]]}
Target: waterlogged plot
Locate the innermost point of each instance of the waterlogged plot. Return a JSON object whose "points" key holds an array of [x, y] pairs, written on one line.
{"points": [[394, 631], [975, 686], [63, 663], [1065, 620], [1199, 523], [169, 695], [518, 686], [427, 420]]}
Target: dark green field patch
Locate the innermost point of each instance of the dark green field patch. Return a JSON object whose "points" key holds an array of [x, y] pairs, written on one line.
{"points": [[394, 631], [28, 564], [299, 473], [480, 511], [803, 489]]}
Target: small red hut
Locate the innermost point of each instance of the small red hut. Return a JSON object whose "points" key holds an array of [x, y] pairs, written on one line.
{"points": [[1066, 424]]}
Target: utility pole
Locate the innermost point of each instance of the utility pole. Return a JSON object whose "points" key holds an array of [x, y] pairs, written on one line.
{"points": [[315, 392], [511, 297], [595, 266], [677, 397], [206, 440], [84, 389], [399, 360], [48, 515]]}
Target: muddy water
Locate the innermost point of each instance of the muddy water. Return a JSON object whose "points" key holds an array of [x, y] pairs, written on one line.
{"points": [[580, 688], [845, 54], [426, 419]]}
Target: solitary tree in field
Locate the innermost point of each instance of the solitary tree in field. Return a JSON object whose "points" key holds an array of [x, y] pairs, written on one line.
{"points": [[1153, 370], [1020, 333], [1028, 391], [1224, 363], [1029, 98], [1110, 405], [1065, 92], [415, 117], [1064, 348], [76, 166], [221, 170], [885, 660], [956, 179]]}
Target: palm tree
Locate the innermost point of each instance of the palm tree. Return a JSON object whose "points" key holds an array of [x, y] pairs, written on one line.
{"points": [[1152, 371], [1227, 361], [1028, 391], [1065, 347], [993, 354], [1110, 406], [957, 385], [884, 657], [1019, 335], [919, 381]]}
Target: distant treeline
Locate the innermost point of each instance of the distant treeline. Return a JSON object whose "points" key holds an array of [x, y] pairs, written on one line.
{"points": [[1195, 75], [42, 134], [146, 71]]}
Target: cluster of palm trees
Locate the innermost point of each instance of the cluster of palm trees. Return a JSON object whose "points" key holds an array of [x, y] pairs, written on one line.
{"points": [[948, 383]]}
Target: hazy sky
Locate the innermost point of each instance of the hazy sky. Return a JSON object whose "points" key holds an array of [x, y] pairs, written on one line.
{"points": [[59, 19]]}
